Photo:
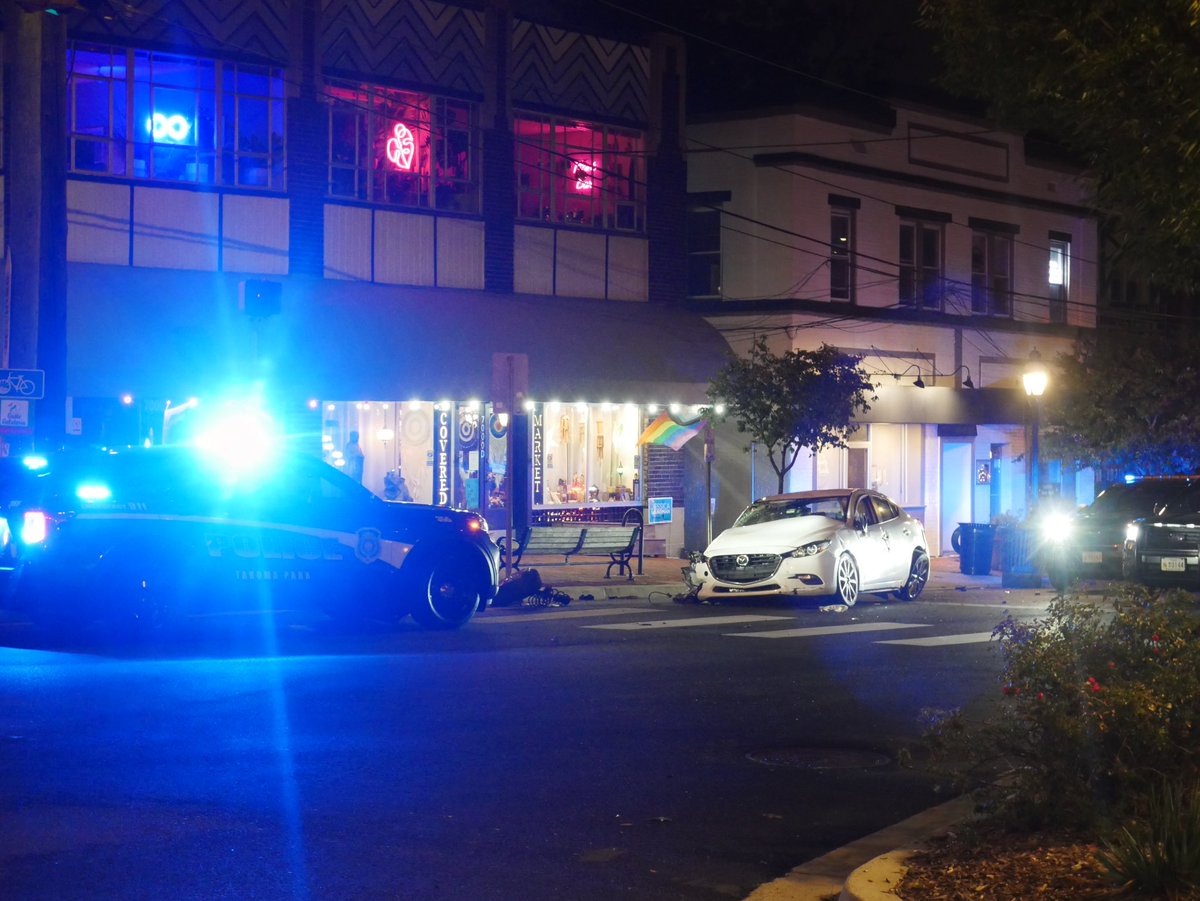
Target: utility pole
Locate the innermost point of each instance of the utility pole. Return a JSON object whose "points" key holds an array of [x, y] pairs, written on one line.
{"points": [[36, 243]]}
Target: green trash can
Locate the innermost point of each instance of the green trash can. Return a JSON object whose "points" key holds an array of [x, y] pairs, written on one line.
{"points": [[975, 555]]}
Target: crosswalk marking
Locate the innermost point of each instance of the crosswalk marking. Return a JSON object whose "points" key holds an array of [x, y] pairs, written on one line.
{"points": [[518, 614], [829, 630], [684, 623], [935, 641]]}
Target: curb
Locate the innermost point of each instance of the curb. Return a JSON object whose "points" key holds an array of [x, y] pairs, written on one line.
{"points": [[867, 869]]}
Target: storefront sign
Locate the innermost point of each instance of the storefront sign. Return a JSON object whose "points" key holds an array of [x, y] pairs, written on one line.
{"points": [[537, 422], [658, 510], [441, 456]]}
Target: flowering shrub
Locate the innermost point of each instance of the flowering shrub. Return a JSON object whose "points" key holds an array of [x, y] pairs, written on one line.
{"points": [[1096, 704]]}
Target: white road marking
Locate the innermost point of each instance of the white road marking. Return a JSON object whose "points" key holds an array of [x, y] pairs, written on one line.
{"points": [[518, 614], [830, 630], [938, 640], [684, 623]]}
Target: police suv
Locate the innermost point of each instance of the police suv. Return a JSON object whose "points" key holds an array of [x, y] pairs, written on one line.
{"points": [[141, 535]]}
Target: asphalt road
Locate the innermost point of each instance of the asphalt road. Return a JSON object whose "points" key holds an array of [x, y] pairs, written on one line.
{"points": [[635, 749]]}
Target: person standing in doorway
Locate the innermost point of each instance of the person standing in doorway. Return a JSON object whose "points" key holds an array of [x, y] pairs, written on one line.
{"points": [[353, 457]]}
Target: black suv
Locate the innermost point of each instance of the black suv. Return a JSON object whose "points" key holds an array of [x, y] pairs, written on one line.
{"points": [[145, 534], [1089, 544]]}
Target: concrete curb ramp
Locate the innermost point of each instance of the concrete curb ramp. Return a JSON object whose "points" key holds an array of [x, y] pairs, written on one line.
{"points": [[868, 869]]}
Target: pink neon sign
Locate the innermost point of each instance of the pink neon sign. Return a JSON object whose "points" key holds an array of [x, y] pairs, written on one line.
{"points": [[585, 175], [402, 147]]}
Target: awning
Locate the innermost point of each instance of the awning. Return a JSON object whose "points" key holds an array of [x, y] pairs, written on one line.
{"points": [[168, 333], [946, 406]]}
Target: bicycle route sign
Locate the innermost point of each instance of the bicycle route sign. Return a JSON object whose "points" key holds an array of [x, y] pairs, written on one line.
{"points": [[27, 384]]}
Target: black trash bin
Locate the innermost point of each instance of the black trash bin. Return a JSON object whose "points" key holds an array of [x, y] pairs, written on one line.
{"points": [[1019, 564], [975, 555]]}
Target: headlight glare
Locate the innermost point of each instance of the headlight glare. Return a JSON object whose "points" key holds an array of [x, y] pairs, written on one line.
{"points": [[1057, 527], [1133, 531]]}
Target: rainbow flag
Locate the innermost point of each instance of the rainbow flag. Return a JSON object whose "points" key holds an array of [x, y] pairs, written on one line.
{"points": [[667, 432]]}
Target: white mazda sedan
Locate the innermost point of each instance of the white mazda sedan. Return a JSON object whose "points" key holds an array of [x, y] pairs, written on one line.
{"points": [[841, 542]]}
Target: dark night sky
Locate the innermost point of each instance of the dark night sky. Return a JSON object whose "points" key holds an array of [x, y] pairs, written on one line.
{"points": [[759, 52]]}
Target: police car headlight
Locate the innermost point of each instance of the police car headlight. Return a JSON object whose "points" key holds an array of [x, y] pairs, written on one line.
{"points": [[811, 549], [1133, 532], [1057, 527]]}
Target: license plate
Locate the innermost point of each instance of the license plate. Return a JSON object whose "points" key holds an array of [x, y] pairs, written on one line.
{"points": [[1174, 565], [1093, 557]]}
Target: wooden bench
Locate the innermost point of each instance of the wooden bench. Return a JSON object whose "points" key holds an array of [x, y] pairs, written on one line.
{"points": [[618, 543]]}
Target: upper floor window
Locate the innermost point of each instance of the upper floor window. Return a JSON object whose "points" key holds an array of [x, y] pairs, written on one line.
{"points": [[704, 253], [1059, 282], [841, 253], [921, 276], [398, 147], [163, 116], [991, 273], [580, 173]]}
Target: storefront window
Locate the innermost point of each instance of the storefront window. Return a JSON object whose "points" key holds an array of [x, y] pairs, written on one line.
{"points": [[390, 146], [449, 454], [456, 453], [579, 173], [178, 118], [589, 453]]}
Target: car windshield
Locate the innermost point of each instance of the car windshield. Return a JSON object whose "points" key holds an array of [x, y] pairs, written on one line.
{"points": [[1141, 498], [790, 508]]}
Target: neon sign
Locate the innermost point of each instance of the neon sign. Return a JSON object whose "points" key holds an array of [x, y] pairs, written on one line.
{"points": [[168, 128], [402, 147], [585, 175]]}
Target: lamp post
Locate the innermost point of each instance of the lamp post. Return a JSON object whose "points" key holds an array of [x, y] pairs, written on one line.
{"points": [[1034, 380]]}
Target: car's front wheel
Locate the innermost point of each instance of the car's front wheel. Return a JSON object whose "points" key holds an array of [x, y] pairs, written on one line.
{"points": [[1060, 578], [918, 577], [847, 580], [447, 594]]}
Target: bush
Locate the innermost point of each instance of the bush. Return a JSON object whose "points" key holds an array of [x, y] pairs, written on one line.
{"points": [[1159, 852], [1097, 706]]}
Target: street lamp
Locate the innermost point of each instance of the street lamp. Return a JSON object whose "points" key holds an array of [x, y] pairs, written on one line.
{"points": [[1034, 379]]}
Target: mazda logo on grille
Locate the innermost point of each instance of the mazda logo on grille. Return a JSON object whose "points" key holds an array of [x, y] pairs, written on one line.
{"points": [[741, 559]]}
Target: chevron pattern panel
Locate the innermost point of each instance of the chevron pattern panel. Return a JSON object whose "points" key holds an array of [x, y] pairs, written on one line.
{"points": [[411, 41], [579, 73], [257, 28]]}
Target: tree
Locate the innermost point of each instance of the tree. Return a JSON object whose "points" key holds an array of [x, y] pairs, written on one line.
{"points": [[1117, 83], [1129, 406], [804, 398]]}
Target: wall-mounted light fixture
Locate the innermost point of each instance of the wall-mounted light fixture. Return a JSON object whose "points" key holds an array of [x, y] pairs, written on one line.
{"points": [[966, 382], [920, 383]]}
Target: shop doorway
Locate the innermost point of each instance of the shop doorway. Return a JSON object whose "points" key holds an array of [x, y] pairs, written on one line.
{"points": [[957, 484]]}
